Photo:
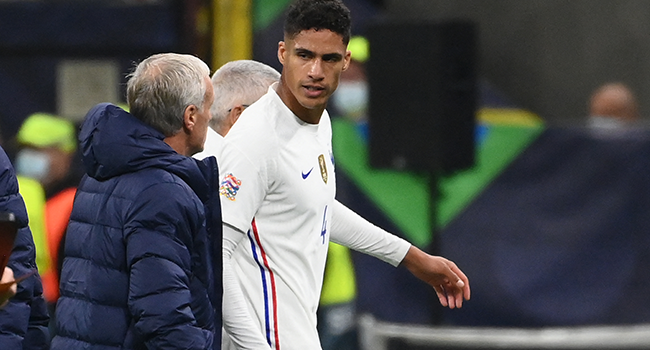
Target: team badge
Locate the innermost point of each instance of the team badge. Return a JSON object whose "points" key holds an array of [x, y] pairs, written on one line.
{"points": [[323, 167], [229, 186]]}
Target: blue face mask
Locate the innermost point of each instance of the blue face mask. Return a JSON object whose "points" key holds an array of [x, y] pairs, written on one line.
{"points": [[33, 164], [351, 99]]}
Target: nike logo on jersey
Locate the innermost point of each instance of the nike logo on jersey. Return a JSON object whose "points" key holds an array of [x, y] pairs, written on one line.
{"points": [[304, 175]]}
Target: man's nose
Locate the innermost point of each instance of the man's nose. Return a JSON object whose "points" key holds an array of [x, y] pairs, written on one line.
{"points": [[316, 69]]}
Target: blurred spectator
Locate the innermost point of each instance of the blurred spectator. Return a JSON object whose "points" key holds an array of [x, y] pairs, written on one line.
{"points": [[24, 320], [47, 144], [350, 100], [613, 106]]}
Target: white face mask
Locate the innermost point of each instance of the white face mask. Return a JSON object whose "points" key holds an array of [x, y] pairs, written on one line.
{"points": [[605, 122], [351, 99], [33, 164]]}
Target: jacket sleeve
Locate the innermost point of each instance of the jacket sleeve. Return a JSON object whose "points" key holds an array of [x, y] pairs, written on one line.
{"points": [[158, 233], [24, 320]]}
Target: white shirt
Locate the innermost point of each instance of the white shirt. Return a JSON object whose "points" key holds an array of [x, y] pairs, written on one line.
{"points": [[278, 186]]}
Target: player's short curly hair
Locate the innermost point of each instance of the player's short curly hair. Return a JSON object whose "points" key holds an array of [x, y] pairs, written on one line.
{"points": [[318, 14]]}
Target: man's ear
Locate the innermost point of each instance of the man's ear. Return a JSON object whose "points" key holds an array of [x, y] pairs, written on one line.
{"points": [[282, 50], [190, 117], [346, 60], [234, 114]]}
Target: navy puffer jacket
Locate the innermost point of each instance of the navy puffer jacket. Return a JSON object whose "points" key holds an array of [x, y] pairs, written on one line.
{"points": [[23, 321], [138, 271]]}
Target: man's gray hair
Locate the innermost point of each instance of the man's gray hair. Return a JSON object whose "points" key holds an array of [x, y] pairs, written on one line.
{"points": [[239, 82], [162, 86]]}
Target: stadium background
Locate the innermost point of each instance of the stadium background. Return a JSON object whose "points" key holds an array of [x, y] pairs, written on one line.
{"points": [[551, 223]]}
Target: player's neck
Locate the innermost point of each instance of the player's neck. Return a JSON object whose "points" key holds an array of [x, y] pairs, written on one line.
{"points": [[307, 115]]}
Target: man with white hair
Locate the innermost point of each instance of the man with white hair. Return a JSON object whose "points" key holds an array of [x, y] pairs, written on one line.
{"points": [[237, 84], [142, 267]]}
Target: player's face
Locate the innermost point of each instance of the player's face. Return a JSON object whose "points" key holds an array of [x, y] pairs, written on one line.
{"points": [[312, 65]]}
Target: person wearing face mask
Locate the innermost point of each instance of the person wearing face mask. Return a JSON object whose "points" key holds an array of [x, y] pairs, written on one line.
{"points": [[613, 106], [47, 144], [351, 97]]}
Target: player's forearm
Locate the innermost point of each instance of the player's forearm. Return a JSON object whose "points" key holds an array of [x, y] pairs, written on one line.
{"points": [[353, 231]]}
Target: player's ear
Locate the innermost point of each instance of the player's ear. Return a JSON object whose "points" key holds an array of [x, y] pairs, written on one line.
{"points": [[346, 59], [282, 50]]}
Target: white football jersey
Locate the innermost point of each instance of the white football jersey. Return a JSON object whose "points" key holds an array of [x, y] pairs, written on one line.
{"points": [[278, 186]]}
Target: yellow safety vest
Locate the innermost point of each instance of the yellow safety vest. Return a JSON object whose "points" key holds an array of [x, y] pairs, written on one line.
{"points": [[34, 197], [339, 283]]}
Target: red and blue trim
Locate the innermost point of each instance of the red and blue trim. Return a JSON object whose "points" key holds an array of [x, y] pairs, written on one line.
{"points": [[268, 286]]}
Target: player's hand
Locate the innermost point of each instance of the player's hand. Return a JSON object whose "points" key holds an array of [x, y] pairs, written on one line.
{"points": [[449, 282]]}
